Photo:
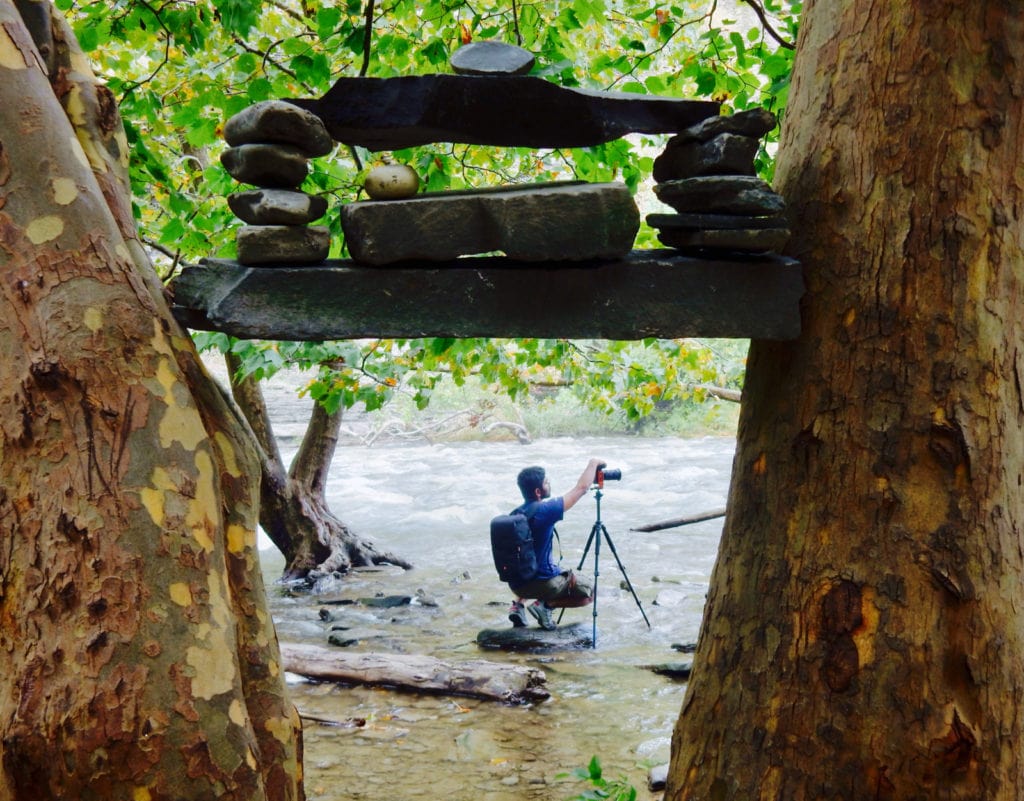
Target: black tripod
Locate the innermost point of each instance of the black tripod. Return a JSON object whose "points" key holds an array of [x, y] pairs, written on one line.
{"points": [[595, 539]]}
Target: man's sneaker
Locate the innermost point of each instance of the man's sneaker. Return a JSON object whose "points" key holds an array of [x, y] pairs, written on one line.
{"points": [[517, 614], [542, 614]]}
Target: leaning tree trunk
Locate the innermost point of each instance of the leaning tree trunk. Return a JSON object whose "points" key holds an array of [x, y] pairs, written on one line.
{"points": [[863, 632], [294, 511], [137, 655]]}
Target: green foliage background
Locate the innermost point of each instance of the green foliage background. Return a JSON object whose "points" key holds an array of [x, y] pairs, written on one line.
{"points": [[180, 68]]}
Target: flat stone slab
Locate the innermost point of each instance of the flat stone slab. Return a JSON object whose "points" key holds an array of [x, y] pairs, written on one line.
{"points": [[270, 166], [649, 293], [492, 58], [280, 122], [509, 110], [715, 222], [277, 207], [754, 240], [740, 194], [570, 222], [282, 244]]}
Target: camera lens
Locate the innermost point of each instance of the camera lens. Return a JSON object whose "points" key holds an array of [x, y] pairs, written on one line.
{"points": [[612, 475]]}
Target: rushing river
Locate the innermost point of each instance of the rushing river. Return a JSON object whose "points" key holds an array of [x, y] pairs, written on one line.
{"points": [[431, 504]]}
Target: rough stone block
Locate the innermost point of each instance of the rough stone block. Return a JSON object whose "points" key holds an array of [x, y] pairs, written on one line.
{"points": [[277, 207], [279, 122], [726, 154], [755, 123], [738, 194], [283, 244], [546, 223], [273, 166]]}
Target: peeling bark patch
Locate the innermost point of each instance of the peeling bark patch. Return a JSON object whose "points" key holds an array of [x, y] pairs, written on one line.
{"points": [[44, 229], [841, 617], [13, 49], [957, 750]]}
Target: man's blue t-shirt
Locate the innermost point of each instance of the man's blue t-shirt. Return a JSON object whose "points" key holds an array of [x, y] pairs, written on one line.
{"points": [[542, 524]]}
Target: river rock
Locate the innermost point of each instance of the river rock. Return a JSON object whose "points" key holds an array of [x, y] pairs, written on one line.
{"points": [[726, 154], [553, 222], [657, 778], [277, 207], [739, 194], [280, 122], [753, 240], [391, 182], [271, 166], [755, 123], [491, 58], [574, 635], [283, 244], [513, 110]]}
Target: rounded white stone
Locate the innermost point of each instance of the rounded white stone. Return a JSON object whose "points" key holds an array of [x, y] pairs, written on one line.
{"points": [[391, 182]]}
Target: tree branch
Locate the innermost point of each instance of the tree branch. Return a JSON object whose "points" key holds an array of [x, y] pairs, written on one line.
{"points": [[761, 15], [367, 39]]}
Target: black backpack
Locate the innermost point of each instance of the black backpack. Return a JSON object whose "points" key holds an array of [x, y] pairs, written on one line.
{"points": [[512, 545]]}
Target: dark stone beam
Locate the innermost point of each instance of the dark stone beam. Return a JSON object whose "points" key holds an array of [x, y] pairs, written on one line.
{"points": [[393, 113], [653, 293]]}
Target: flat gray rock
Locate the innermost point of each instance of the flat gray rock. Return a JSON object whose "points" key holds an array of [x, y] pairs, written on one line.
{"points": [[755, 123], [551, 222], [277, 207], [279, 122], [533, 638], [726, 154], [491, 58], [739, 194], [282, 244], [736, 240], [270, 166], [513, 110], [698, 222]]}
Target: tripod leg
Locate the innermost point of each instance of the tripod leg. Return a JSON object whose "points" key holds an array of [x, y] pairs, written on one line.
{"points": [[622, 569], [594, 535]]}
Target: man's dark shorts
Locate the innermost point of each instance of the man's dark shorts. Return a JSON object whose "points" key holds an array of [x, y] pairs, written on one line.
{"points": [[565, 589]]}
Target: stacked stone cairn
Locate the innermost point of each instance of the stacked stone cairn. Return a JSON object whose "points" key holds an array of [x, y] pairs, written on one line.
{"points": [[557, 221], [706, 174], [270, 146]]}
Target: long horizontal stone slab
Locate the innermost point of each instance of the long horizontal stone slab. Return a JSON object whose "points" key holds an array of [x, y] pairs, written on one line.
{"points": [[552, 222], [508, 110], [649, 293]]}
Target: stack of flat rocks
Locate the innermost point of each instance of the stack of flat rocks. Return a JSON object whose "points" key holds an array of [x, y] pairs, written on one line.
{"points": [[271, 144], [706, 175]]}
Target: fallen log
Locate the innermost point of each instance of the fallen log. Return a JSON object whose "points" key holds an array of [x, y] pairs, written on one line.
{"points": [[476, 678], [681, 521]]}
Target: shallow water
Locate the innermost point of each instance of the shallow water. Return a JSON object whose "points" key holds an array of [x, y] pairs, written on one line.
{"points": [[432, 504]]}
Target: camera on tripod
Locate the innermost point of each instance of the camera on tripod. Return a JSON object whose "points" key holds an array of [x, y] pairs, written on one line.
{"points": [[604, 474]]}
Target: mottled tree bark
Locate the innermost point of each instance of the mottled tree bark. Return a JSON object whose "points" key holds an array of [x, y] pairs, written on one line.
{"points": [[137, 656], [863, 632]]}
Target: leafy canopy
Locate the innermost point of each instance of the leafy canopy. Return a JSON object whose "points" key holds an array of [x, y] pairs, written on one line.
{"points": [[181, 67]]}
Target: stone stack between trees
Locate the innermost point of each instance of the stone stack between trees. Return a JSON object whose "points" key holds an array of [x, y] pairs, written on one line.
{"points": [[706, 174], [271, 144]]}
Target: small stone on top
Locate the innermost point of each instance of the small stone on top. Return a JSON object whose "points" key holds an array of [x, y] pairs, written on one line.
{"points": [[491, 58]]}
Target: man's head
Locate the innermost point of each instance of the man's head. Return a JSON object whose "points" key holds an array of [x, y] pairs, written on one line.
{"points": [[533, 483]]}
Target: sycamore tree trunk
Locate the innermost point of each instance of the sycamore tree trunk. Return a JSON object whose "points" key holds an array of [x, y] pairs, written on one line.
{"points": [[863, 631], [137, 656], [294, 511]]}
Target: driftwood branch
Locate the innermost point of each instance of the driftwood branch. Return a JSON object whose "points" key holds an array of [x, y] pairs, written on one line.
{"points": [[476, 678], [681, 521]]}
